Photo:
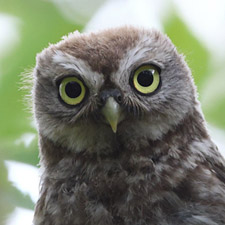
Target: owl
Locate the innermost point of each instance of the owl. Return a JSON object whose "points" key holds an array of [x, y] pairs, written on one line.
{"points": [[122, 137]]}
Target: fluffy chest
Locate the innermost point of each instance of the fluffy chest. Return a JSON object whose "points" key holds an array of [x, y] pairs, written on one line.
{"points": [[124, 188], [129, 180]]}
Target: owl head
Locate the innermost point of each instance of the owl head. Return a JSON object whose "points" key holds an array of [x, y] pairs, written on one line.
{"points": [[123, 85]]}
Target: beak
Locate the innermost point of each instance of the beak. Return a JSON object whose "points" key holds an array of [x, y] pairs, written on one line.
{"points": [[112, 113]]}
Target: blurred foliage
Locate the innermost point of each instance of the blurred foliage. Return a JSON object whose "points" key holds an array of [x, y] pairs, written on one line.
{"points": [[188, 45], [41, 23]]}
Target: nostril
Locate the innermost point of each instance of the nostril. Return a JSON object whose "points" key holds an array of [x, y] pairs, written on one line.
{"points": [[103, 96], [119, 98]]}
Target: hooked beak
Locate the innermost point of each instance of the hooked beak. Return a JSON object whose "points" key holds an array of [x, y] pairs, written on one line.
{"points": [[112, 113]]}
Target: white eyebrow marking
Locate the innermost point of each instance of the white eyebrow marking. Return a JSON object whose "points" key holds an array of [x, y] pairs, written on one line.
{"points": [[93, 79], [68, 61]]}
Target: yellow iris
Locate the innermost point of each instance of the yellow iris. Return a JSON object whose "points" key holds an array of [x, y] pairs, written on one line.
{"points": [[146, 79], [72, 90]]}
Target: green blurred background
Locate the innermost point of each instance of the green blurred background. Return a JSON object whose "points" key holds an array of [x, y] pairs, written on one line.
{"points": [[28, 26]]}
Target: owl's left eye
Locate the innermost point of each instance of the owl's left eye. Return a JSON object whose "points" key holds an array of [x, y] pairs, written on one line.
{"points": [[72, 90], [146, 79]]}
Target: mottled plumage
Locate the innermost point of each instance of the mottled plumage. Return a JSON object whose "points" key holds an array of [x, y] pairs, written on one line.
{"points": [[150, 162]]}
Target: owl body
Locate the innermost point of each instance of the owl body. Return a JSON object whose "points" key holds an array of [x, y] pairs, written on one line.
{"points": [[121, 134]]}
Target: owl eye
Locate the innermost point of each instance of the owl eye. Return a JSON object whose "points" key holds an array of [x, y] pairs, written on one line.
{"points": [[72, 90], [146, 79]]}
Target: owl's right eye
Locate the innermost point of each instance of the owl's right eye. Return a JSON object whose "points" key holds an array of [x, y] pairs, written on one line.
{"points": [[72, 90]]}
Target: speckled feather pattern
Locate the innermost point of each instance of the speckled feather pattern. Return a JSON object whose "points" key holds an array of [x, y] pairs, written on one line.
{"points": [[160, 168]]}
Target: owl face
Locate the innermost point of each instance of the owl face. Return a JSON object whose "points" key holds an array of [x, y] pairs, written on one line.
{"points": [[124, 84]]}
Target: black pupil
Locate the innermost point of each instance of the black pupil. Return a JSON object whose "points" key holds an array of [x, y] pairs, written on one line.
{"points": [[145, 78], [73, 89]]}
